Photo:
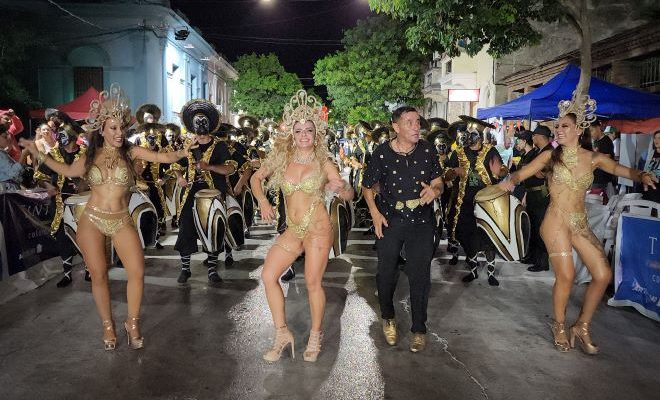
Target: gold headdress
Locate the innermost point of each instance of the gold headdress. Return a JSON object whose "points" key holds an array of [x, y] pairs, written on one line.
{"points": [[584, 109], [303, 108], [110, 104]]}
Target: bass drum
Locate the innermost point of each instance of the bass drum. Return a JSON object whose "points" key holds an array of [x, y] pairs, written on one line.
{"points": [[73, 207], [247, 205], [210, 219], [504, 220], [145, 218], [172, 192], [235, 234], [439, 222], [340, 218]]}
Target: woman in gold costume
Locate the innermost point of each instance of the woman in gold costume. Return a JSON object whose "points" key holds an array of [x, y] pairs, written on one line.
{"points": [[300, 166], [569, 171], [108, 168]]}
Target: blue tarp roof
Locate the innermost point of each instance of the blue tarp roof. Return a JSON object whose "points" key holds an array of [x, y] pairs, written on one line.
{"points": [[612, 101]]}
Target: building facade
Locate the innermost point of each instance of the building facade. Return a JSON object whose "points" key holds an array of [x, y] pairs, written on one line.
{"points": [[458, 86], [148, 48]]}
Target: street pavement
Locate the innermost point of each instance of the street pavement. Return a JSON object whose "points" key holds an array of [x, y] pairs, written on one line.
{"points": [[206, 342]]}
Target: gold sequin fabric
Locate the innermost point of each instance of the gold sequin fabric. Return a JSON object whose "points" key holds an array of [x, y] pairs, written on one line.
{"points": [[116, 176], [309, 185], [300, 228], [107, 222]]}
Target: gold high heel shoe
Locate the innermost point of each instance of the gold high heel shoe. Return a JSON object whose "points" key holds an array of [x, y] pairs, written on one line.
{"points": [[134, 342], [581, 331], [313, 346], [282, 338], [560, 336], [109, 330]]}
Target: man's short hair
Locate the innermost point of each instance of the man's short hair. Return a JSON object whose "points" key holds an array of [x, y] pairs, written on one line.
{"points": [[396, 114]]}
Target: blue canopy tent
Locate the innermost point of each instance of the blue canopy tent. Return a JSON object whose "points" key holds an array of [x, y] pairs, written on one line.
{"points": [[612, 101]]}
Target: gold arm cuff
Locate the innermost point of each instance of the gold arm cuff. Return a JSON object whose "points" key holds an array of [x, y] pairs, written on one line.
{"points": [[234, 164]]}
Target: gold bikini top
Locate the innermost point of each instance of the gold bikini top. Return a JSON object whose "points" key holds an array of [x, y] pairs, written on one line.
{"points": [[563, 175], [309, 185], [117, 176]]}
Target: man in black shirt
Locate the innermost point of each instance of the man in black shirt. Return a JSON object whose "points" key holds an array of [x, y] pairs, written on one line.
{"points": [[408, 175], [602, 144], [537, 198]]}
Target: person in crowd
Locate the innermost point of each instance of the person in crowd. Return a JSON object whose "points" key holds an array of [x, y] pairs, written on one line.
{"points": [[107, 167], [536, 197], [408, 175], [652, 166], [601, 144], [569, 171], [61, 187], [14, 126], [11, 171], [207, 167], [477, 165], [300, 166], [45, 138]]}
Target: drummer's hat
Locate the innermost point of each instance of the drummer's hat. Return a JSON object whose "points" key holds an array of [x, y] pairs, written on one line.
{"points": [[200, 117], [476, 124], [147, 109]]}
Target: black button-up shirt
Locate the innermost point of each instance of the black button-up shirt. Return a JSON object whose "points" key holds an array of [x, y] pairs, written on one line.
{"points": [[400, 178]]}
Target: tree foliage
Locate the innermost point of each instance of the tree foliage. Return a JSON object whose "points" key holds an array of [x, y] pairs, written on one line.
{"points": [[447, 26], [19, 42], [374, 70], [263, 86]]}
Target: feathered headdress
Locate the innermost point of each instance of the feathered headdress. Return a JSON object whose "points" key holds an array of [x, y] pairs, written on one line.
{"points": [[301, 108], [110, 104], [583, 107]]}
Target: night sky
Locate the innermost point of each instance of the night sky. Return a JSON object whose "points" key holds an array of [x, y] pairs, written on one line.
{"points": [[298, 31]]}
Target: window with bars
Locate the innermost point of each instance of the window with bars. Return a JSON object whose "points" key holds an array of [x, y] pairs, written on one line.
{"points": [[650, 72], [84, 77]]}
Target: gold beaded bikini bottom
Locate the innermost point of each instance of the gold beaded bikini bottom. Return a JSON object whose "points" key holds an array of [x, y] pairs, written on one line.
{"points": [[107, 222]]}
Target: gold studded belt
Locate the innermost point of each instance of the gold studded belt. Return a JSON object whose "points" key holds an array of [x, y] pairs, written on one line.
{"points": [[411, 204]]}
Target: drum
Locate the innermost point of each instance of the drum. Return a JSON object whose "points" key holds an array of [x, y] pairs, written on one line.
{"points": [[504, 220], [172, 192], [247, 204], [340, 218], [235, 234], [210, 219], [73, 207], [439, 222], [145, 218]]}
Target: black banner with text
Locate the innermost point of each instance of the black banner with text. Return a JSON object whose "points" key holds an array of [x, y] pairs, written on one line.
{"points": [[26, 223]]}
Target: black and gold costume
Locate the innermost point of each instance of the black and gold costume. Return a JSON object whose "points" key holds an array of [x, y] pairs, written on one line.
{"points": [[65, 188], [476, 164]]}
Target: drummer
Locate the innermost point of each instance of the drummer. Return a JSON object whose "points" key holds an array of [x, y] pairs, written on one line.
{"points": [[61, 187], [477, 165], [207, 168], [537, 199]]}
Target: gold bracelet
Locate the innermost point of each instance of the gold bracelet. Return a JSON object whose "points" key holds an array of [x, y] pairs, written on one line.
{"points": [[642, 174]]}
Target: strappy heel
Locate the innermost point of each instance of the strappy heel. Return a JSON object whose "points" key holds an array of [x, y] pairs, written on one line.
{"points": [[581, 331], [131, 326], [283, 337], [560, 336], [313, 346], [109, 330]]}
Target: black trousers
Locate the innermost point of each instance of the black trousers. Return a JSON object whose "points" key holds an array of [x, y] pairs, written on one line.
{"points": [[418, 241], [537, 203], [65, 246], [472, 239], [186, 241]]}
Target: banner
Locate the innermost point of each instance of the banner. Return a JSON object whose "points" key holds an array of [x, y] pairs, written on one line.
{"points": [[637, 266], [26, 227]]}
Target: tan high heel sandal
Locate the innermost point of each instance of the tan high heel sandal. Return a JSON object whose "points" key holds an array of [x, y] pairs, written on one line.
{"points": [[283, 337], [581, 331], [313, 346], [134, 342], [560, 336], [109, 329]]}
